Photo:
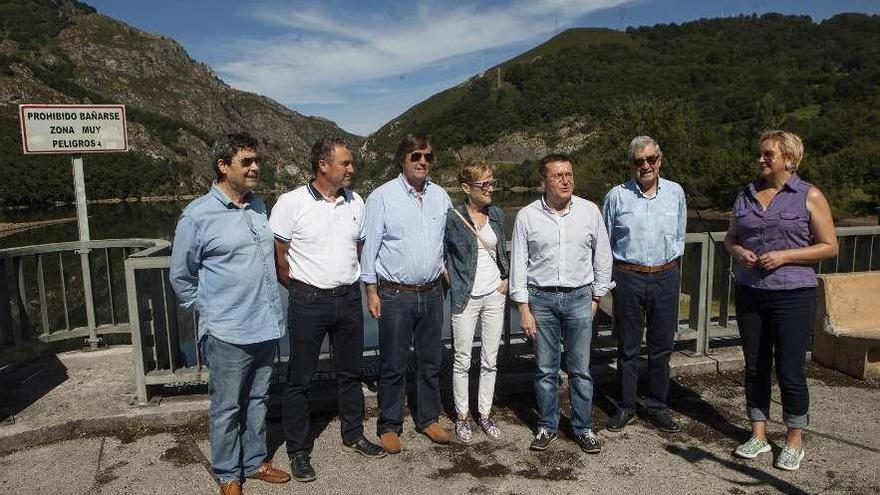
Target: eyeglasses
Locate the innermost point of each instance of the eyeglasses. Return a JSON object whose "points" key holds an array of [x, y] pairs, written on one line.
{"points": [[251, 160], [486, 184], [652, 160], [558, 176], [417, 155], [766, 155]]}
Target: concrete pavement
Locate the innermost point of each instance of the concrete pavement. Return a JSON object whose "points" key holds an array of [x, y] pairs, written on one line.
{"points": [[159, 449]]}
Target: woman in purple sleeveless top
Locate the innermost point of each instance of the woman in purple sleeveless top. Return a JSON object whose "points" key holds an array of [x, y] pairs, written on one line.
{"points": [[781, 226]]}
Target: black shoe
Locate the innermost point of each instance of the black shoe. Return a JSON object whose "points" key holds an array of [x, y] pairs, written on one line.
{"points": [[620, 420], [542, 440], [365, 448], [662, 420], [301, 469], [588, 442]]}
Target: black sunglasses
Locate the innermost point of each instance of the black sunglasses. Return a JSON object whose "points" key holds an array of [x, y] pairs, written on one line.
{"points": [[417, 155], [638, 162], [247, 162]]}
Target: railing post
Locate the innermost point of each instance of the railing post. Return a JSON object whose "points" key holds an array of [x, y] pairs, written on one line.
{"points": [[24, 322], [88, 296], [701, 324], [41, 289], [134, 324], [710, 286], [5, 308]]}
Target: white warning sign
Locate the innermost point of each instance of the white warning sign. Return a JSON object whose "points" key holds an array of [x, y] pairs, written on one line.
{"points": [[73, 129]]}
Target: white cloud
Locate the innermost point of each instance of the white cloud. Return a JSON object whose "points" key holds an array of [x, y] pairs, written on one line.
{"points": [[325, 53]]}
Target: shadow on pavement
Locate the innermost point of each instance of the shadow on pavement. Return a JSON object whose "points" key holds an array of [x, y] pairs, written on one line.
{"points": [[696, 454], [24, 384]]}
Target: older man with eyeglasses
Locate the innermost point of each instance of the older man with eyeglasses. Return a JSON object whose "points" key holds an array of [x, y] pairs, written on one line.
{"points": [[645, 217], [402, 265], [560, 268]]}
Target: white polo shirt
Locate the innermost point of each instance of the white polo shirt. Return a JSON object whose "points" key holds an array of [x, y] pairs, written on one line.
{"points": [[322, 236]]}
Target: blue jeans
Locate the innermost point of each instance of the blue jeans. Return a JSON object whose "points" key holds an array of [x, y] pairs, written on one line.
{"points": [[409, 318], [568, 316], [239, 389]]}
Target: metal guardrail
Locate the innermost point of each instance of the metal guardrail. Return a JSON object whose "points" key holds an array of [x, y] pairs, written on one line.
{"points": [[166, 350], [54, 303]]}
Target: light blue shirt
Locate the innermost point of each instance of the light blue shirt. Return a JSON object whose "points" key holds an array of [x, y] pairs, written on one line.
{"points": [[404, 236], [646, 231], [223, 266], [562, 250]]}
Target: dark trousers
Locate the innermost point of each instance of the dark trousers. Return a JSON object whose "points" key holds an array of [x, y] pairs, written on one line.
{"points": [[409, 319], [645, 300], [312, 315], [775, 325]]}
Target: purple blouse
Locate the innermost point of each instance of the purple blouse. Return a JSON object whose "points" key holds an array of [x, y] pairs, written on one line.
{"points": [[784, 225]]}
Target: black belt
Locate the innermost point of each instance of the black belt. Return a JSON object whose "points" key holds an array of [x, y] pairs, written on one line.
{"points": [[335, 291], [556, 288], [385, 284]]}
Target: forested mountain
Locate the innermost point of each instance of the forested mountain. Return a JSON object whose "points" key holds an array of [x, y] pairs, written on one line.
{"points": [[705, 89], [62, 51]]}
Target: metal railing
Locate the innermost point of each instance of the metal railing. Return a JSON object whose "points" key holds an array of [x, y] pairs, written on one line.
{"points": [[165, 338], [709, 317], [47, 302]]}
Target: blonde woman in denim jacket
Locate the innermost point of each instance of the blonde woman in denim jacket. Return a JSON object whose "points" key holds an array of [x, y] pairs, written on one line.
{"points": [[478, 265]]}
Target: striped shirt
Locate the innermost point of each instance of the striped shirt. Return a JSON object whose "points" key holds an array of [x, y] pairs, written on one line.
{"points": [[404, 235], [570, 249]]}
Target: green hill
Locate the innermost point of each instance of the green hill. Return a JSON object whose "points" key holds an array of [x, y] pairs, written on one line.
{"points": [[705, 89]]}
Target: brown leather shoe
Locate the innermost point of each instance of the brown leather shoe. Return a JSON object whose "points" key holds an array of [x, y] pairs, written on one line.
{"points": [[437, 433], [231, 488], [270, 474], [390, 441]]}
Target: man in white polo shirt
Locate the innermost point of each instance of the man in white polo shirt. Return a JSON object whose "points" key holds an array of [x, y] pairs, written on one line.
{"points": [[318, 235]]}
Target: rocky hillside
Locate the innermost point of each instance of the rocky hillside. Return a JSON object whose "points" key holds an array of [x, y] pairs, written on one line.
{"points": [[62, 51]]}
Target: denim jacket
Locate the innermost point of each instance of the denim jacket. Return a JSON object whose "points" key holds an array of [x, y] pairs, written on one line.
{"points": [[460, 245]]}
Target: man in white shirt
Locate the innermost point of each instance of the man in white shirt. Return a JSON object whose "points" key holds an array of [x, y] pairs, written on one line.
{"points": [[560, 267], [318, 236]]}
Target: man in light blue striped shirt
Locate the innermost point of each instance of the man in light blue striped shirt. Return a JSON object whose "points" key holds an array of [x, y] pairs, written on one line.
{"points": [[223, 265], [401, 265], [560, 267], [645, 217]]}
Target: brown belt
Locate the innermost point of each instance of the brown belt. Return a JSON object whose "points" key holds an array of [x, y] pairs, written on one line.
{"points": [[385, 284], [645, 269]]}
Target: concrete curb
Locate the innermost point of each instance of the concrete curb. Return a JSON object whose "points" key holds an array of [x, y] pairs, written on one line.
{"points": [[99, 426]]}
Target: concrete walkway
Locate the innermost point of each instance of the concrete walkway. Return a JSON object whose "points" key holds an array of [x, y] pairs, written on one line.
{"points": [[85, 434]]}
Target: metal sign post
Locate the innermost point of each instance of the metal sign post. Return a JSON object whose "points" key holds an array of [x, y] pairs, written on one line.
{"points": [[82, 221], [76, 129]]}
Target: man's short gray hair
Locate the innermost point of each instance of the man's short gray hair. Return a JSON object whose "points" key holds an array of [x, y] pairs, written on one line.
{"points": [[640, 142]]}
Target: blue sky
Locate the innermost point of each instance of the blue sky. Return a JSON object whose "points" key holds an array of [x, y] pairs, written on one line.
{"points": [[361, 63]]}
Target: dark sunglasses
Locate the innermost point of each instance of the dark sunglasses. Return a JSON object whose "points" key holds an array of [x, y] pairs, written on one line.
{"points": [[247, 162], [486, 184], [652, 160], [417, 155]]}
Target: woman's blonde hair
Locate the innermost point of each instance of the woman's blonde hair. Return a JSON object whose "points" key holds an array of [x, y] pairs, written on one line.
{"points": [[472, 171], [790, 145]]}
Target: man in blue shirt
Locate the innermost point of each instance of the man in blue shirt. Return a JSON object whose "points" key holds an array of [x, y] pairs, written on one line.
{"points": [[223, 266], [560, 267], [401, 265], [645, 218]]}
